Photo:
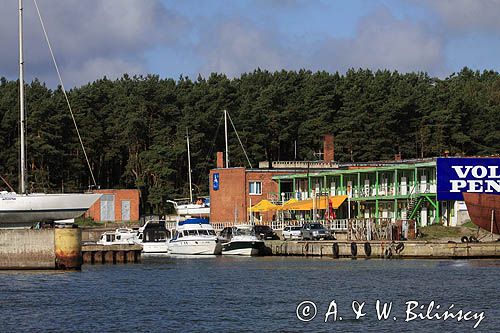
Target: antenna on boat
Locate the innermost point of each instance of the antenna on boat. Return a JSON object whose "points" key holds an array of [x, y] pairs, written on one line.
{"points": [[189, 167], [22, 185]]}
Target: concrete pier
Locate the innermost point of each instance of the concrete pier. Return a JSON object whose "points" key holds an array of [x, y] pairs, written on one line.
{"points": [[111, 254], [384, 249], [27, 249]]}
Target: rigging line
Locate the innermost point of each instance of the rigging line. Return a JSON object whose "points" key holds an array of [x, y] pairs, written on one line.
{"points": [[241, 144], [64, 91], [211, 148]]}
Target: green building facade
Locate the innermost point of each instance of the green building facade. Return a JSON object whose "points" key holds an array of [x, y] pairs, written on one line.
{"points": [[396, 191]]}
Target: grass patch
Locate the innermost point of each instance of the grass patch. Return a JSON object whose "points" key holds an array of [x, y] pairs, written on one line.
{"points": [[87, 222], [439, 231]]}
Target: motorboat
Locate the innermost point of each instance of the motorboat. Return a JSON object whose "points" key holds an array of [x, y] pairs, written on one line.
{"points": [[195, 236], [153, 236], [118, 237], [243, 241]]}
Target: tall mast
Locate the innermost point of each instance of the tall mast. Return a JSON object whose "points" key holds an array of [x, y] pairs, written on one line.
{"points": [[189, 168], [225, 134], [22, 185]]}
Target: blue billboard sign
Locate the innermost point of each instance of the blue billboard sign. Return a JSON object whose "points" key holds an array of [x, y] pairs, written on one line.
{"points": [[457, 175], [216, 181]]}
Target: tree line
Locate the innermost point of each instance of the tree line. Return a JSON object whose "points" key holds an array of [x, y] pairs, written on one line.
{"points": [[134, 128]]}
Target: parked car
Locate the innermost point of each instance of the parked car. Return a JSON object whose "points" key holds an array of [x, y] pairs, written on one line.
{"points": [[315, 231], [292, 232], [265, 232]]}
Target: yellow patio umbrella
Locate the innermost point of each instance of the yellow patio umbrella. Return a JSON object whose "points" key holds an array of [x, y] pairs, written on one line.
{"points": [[263, 206], [287, 204]]}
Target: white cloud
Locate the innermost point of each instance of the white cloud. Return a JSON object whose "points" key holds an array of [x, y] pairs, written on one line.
{"points": [[85, 34], [467, 15], [384, 42], [237, 46]]}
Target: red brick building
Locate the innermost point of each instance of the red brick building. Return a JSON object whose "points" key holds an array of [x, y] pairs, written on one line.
{"points": [[236, 187], [116, 205]]}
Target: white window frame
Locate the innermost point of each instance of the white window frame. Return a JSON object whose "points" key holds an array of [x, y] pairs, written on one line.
{"points": [[250, 187]]}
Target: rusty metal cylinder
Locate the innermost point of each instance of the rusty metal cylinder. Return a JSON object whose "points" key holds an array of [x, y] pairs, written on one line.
{"points": [[68, 248]]}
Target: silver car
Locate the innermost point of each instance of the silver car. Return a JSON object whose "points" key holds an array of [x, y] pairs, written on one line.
{"points": [[315, 231], [292, 232]]}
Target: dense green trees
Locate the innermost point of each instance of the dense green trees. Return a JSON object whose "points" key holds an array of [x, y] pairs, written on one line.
{"points": [[134, 128]]}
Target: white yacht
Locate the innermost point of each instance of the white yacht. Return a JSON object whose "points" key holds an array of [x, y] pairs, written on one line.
{"points": [[119, 236], [153, 236], [195, 236], [242, 241]]}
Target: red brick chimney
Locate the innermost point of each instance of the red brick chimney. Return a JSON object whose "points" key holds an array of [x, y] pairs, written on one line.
{"points": [[220, 160], [328, 148]]}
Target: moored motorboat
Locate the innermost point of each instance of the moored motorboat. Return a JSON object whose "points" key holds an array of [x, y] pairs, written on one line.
{"points": [[153, 236], [195, 236], [118, 237], [243, 242], [484, 210]]}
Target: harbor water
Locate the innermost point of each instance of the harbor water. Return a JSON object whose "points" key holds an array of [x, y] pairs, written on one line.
{"points": [[266, 294]]}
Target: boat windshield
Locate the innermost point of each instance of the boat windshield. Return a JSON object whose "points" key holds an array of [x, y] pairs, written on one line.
{"points": [[244, 232], [199, 232]]}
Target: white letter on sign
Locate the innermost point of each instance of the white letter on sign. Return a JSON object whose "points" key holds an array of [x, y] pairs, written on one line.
{"points": [[456, 185]]}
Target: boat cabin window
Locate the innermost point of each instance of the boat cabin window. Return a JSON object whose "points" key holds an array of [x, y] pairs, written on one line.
{"points": [[155, 235], [203, 232], [110, 238], [193, 232], [211, 232], [244, 232], [179, 234]]}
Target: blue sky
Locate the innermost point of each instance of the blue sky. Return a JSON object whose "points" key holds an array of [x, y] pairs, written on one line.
{"points": [[94, 38]]}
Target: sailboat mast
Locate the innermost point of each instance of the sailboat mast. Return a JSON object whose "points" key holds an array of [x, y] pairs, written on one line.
{"points": [[225, 134], [189, 168], [22, 185]]}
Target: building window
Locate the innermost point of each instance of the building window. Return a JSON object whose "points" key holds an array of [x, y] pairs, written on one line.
{"points": [[255, 188]]}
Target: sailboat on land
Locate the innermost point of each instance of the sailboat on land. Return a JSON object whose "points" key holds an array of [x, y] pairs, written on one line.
{"points": [[18, 210], [200, 208]]}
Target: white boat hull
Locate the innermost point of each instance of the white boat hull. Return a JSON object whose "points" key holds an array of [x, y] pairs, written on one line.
{"points": [[195, 247], [242, 252], [243, 247], [193, 210], [154, 247], [18, 210]]}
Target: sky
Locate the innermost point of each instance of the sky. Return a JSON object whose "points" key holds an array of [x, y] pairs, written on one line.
{"points": [[173, 38]]}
